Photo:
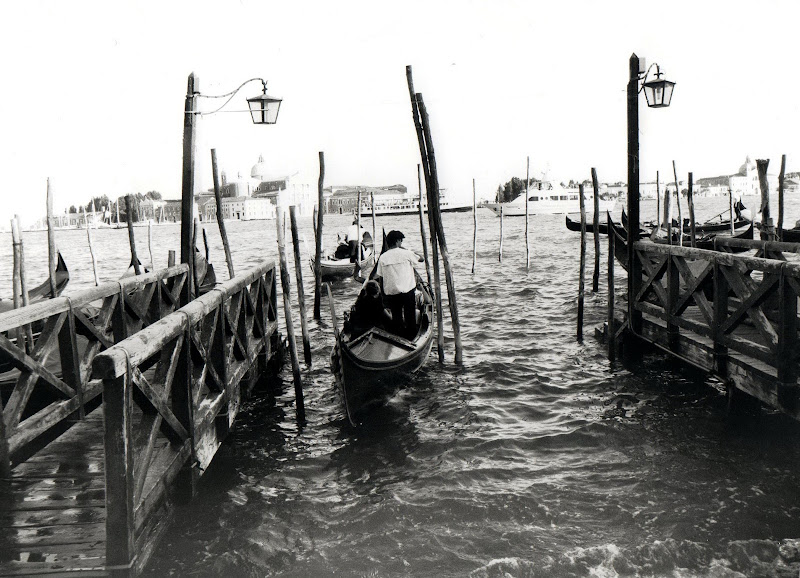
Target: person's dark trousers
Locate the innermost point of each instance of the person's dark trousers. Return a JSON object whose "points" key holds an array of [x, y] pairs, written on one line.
{"points": [[353, 251], [403, 307]]}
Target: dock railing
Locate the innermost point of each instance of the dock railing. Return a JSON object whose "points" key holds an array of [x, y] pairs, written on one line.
{"points": [[171, 391], [739, 313], [47, 349]]}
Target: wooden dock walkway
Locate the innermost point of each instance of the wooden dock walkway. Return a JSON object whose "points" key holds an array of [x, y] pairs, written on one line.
{"points": [[734, 315], [87, 485]]}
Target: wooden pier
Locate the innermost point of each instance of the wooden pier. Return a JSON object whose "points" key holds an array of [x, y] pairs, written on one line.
{"points": [[88, 478], [732, 315]]}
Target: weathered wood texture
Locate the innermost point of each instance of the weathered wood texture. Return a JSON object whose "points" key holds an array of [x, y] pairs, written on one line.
{"points": [[48, 386], [733, 315], [171, 392]]}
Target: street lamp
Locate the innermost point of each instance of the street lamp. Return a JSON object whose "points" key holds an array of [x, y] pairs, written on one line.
{"points": [[263, 109], [658, 93]]}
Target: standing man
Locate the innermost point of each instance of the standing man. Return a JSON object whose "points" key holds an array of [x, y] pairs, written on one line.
{"points": [[354, 238], [396, 269]]}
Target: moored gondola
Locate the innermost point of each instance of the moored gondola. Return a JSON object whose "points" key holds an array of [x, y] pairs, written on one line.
{"points": [[370, 365], [42, 291]]}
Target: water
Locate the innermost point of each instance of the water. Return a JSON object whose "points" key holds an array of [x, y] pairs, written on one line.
{"points": [[538, 458]]}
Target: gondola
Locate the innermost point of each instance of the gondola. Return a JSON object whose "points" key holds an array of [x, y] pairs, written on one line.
{"points": [[42, 291], [699, 228], [370, 366], [576, 226], [704, 242], [337, 265]]}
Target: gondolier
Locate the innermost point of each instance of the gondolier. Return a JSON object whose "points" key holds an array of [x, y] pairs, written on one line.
{"points": [[396, 269], [355, 235]]}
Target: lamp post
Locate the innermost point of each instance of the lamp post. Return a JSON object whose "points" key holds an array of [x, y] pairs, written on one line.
{"points": [[263, 110], [658, 93]]}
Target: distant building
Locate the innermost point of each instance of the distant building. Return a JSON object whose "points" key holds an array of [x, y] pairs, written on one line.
{"points": [[344, 199], [743, 183]]}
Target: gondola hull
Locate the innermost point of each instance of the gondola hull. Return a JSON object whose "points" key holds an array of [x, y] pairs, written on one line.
{"points": [[371, 367], [336, 269]]}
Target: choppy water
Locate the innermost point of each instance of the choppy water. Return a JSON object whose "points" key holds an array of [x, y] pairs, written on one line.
{"points": [[538, 458]]}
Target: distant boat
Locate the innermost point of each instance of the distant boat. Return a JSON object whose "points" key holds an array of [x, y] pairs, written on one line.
{"points": [[409, 207], [548, 198]]}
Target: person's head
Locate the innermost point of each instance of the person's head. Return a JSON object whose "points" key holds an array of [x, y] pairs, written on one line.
{"points": [[355, 221], [393, 238], [372, 288]]}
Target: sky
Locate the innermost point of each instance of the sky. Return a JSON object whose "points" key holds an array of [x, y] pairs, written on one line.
{"points": [[93, 92]]}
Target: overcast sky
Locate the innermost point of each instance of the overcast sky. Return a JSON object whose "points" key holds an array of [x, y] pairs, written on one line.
{"points": [[93, 92]]}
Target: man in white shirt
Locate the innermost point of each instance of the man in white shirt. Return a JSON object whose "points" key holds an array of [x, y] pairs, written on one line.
{"points": [[355, 235], [396, 269]]}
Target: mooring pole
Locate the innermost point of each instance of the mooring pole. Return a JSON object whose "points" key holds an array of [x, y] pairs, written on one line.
{"points": [[611, 331], [358, 225], [318, 235], [730, 203], [767, 231], [690, 199], [187, 186], [634, 266], [52, 252], [220, 220], [301, 296], [422, 229], [131, 238], [596, 232], [582, 261], [374, 240], [780, 198], [287, 314], [91, 254], [527, 184], [474, 226], [500, 250], [678, 204]]}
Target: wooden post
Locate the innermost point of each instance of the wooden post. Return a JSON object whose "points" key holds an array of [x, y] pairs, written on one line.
{"points": [[787, 341], [374, 240], [678, 204], [131, 239], [527, 195], [781, 176], [667, 213], [721, 300], [16, 240], [52, 252], [301, 297], [767, 232], [690, 199], [287, 313], [187, 183], [474, 226], [220, 221], [658, 205], [422, 229], [171, 258], [205, 244], [116, 205], [596, 232], [358, 225], [318, 232], [634, 266], [150, 243], [611, 331], [119, 464], [423, 151], [583, 261], [730, 202], [437, 295], [91, 253], [500, 251], [433, 208]]}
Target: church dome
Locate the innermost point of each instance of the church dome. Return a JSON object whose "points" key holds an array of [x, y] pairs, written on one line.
{"points": [[259, 169], [747, 167]]}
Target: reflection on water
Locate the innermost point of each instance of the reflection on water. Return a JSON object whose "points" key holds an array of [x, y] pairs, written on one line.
{"points": [[538, 458]]}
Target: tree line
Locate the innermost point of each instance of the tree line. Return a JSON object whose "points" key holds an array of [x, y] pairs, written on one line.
{"points": [[103, 202]]}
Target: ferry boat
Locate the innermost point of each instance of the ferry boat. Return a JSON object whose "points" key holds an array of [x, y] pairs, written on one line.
{"points": [[547, 198], [408, 206]]}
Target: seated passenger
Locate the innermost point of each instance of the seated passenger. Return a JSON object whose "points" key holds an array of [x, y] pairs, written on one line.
{"points": [[368, 311]]}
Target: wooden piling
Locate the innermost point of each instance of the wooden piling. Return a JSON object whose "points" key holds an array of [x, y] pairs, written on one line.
{"points": [[301, 296], [690, 199], [781, 177], [433, 208], [52, 252], [527, 185], [767, 232], [500, 250], [678, 204], [91, 254], [422, 234], [358, 225], [474, 226], [16, 241], [730, 203], [667, 213], [583, 261], [287, 313], [195, 281], [171, 258], [220, 221], [658, 205], [318, 239], [611, 331], [131, 238], [19, 253], [374, 240], [436, 284], [596, 232], [150, 243]]}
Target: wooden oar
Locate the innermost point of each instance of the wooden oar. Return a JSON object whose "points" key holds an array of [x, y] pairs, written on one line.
{"points": [[333, 312]]}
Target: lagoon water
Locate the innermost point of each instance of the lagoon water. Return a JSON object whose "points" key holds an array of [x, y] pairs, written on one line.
{"points": [[539, 458]]}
